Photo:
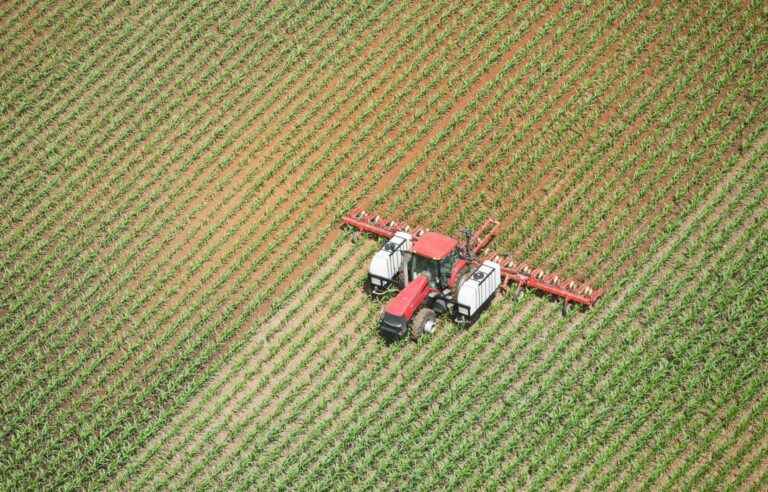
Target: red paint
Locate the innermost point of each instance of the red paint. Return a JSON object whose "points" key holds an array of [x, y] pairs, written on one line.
{"points": [[408, 300], [368, 226], [455, 272], [434, 245]]}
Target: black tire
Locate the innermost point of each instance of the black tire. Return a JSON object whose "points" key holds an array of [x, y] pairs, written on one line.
{"points": [[419, 321]]}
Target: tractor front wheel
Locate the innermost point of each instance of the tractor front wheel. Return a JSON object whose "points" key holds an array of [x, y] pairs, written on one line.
{"points": [[424, 320]]}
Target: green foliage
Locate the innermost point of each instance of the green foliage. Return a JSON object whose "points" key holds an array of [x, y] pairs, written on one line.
{"points": [[178, 306]]}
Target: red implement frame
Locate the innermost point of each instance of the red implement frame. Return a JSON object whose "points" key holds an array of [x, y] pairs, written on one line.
{"points": [[484, 235], [522, 274], [374, 224], [512, 272]]}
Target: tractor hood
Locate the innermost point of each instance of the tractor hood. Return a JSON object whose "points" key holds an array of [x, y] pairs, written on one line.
{"points": [[399, 311], [408, 300]]}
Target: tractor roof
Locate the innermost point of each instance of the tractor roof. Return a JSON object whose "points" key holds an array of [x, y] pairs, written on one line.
{"points": [[434, 245]]}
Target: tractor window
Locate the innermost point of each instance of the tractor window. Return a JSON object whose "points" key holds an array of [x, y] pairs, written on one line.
{"points": [[438, 272], [425, 266], [446, 265]]}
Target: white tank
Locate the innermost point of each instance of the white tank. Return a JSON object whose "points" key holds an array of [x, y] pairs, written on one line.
{"points": [[388, 260], [479, 287]]}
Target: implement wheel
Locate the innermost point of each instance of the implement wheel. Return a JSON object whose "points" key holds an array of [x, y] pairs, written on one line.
{"points": [[424, 320]]}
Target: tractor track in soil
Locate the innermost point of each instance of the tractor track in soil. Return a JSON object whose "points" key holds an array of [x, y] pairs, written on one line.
{"points": [[430, 186], [505, 218]]}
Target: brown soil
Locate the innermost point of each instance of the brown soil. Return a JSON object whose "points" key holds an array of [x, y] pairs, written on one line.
{"points": [[303, 381], [550, 183], [200, 273], [707, 459], [600, 231], [758, 451], [619, 300], [283, 190], [386, 181], [435, 168], [692, 261]]}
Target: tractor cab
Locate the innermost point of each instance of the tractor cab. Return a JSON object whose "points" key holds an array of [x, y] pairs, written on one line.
{"points": [[434, 275], [434, 256]]}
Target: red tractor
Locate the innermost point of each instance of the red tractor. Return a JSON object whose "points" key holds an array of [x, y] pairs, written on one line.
{"points": [[438, 274]]}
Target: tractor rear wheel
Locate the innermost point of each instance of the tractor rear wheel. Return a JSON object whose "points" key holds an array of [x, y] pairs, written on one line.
{"points": [[424, 320]]}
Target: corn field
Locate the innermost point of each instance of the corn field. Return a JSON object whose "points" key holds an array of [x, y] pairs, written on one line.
{"points": [[180, 308]]}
